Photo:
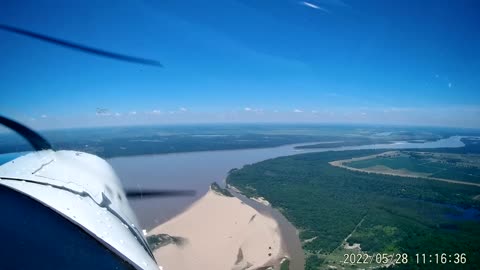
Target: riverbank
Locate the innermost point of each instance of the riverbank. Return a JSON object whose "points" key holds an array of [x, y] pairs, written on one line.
{"points": [[289, 234], [220, 232]]}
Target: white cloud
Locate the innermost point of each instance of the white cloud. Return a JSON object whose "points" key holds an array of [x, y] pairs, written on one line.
{"points": [[248, 109], [183, 109], [314, 111], [449, 85], [43, 116], [118, 114], [156, 112], [401, 109], [132, 113], [311, 5], [102, 112], [297, 111]]}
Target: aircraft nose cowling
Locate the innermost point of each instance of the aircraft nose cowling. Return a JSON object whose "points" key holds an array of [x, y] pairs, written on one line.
{"points": [[84, 189]]}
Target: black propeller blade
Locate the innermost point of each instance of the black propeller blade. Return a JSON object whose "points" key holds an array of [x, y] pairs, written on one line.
{"points": [[36, 141], [140, 194], [80, 47]]}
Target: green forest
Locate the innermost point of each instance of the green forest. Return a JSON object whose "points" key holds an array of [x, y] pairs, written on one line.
{"points": [[396, 214]]}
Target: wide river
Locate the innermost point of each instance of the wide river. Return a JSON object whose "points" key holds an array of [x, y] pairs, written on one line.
{"points": [[197, 170]]}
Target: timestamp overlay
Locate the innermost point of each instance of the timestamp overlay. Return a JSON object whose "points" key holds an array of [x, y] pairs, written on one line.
{"points": [[389, 259]]}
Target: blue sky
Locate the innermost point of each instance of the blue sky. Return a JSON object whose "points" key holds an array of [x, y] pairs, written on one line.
{"points": [[325, 61]]}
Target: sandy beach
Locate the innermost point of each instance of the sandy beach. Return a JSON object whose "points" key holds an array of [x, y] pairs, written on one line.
{"points": [[220, 232]]}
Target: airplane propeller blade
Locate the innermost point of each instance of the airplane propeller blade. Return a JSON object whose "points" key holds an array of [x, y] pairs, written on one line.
{"points": [[80, 47], [140, 194], [36, 141]]}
